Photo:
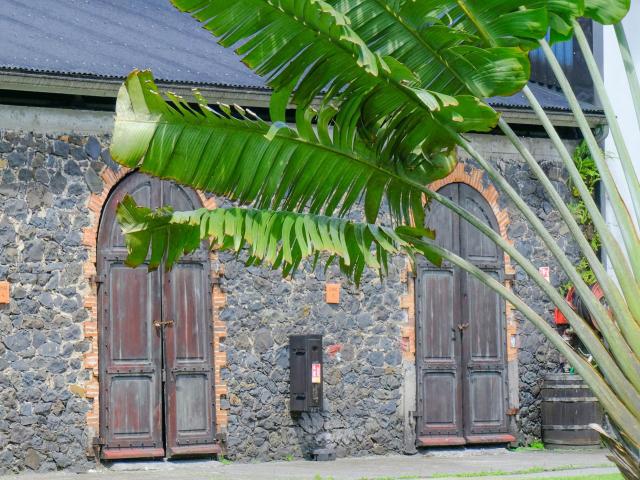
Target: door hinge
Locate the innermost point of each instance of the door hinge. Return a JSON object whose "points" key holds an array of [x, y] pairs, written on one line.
{"points": [[97, 443], [97, 279]]}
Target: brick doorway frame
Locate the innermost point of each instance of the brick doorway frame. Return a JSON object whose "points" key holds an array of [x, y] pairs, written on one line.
{"points": [[476, 179], [91, 387]]}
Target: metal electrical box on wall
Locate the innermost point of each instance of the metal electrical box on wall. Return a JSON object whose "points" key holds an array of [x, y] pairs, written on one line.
{"points": [[306, 371]]}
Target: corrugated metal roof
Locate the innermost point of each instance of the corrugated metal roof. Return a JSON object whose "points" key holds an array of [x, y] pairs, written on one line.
{"points": [[549, 98], [109, 38]]}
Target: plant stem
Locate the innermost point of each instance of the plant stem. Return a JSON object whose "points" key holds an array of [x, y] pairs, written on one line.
{"points": [[621, 384], [623, 152], [627, 228], [629, 67], [616, 410], [619, 347], [611, 290], [618, 259]]}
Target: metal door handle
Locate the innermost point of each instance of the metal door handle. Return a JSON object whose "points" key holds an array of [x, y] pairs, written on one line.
{"points": [[158, 323], [463, 327]]}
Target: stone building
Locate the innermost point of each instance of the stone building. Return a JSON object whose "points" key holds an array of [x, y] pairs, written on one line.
{"points": [[65, 305]]}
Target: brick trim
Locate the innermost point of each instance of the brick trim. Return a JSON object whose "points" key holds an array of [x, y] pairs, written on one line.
{"points": [[91, 387]]}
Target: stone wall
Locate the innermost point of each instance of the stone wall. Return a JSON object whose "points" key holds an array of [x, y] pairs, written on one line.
{"points": [[45, 186], [362, 363]]}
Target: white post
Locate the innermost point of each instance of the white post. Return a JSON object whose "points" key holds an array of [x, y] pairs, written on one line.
{"points": [[618, 88]]}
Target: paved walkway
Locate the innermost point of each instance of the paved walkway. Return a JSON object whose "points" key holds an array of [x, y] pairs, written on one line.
{"points": [[450, 464]]}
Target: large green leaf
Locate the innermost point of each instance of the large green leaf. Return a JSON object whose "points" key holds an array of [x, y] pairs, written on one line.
{"points": [[607, 11], [306, 48], [280, 239], [444, 57], [235, 154], [460, 47]]}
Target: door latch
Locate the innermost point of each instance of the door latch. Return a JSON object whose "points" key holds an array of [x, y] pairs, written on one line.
{"points": [[463, 327], [158, 323]]}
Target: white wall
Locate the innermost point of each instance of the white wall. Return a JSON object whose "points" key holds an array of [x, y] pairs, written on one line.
{"points": [[618, 89]]}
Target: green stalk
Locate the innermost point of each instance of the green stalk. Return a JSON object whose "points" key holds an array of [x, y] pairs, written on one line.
{"points": [[627, 228], [623, 152], [584, 331], [612, 292], [618, 259], [618, 345], [618, 413], [629, 67]]}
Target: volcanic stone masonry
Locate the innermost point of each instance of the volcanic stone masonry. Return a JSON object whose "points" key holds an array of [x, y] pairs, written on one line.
{"points": [[47, 397]]}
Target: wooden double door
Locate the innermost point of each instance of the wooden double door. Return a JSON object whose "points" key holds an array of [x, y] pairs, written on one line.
{"points": [[461, 334], [155, 340]]}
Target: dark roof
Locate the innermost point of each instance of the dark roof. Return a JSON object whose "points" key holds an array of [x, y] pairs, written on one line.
{"points": [[549, 98], [109, 38]]}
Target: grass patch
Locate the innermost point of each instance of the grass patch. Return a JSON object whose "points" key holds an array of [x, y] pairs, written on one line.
{"points": [[526, 471], [500, 473], [403, 477], [607, 476], [223, 460]]}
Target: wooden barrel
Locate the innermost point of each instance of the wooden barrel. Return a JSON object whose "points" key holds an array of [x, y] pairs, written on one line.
{"points": [[568, 407]]}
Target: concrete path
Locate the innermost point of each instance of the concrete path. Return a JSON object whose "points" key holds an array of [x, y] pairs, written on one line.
{"points": [[449, 464]]}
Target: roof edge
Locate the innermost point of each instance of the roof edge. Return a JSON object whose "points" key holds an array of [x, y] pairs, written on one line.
{"points": [[95, 86], [12, 79]]}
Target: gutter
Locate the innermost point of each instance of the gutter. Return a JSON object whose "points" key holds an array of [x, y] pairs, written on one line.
{"points": [[256, 97]]}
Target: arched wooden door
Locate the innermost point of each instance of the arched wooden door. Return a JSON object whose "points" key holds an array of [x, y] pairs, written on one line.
{"points": [[155, 340], [461, 334]]}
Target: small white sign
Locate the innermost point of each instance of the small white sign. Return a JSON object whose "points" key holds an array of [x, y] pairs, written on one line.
{"points": [[544, 271], [316, 373]]}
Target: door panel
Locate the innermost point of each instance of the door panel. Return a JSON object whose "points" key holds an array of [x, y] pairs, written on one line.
{"points": [[441, 415], [483, 313], [132, 313], [461, 333], [476, 246], [485, 415]]}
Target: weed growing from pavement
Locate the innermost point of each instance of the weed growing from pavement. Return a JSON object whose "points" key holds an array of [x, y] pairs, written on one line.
{"points": [[535, 445]]}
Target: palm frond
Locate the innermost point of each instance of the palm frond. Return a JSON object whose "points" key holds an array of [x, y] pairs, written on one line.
{"points": [[306, 48], [426, 37], [236, 154], [607, 12], [280, 239]]}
